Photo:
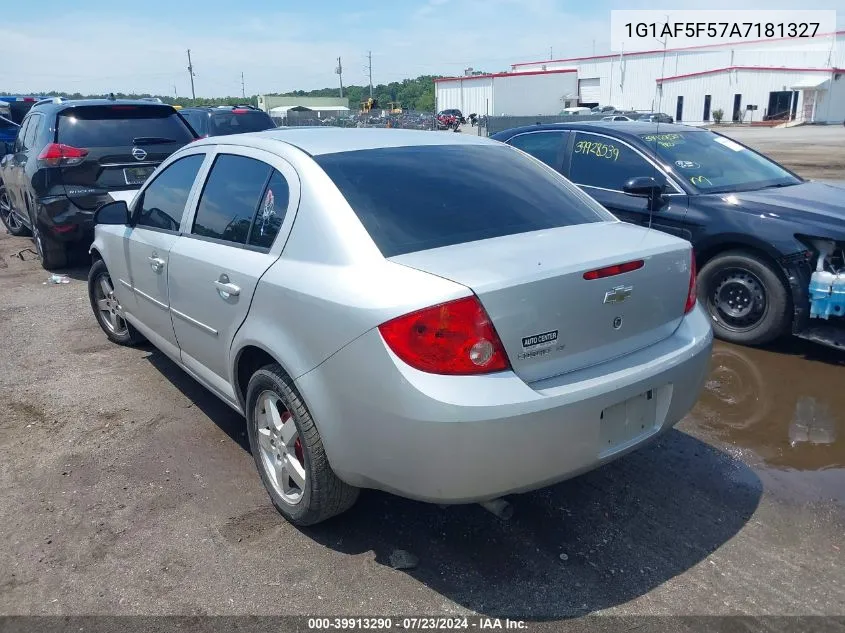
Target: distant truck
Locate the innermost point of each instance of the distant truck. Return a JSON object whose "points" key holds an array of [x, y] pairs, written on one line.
{"points": [[15, 107]]}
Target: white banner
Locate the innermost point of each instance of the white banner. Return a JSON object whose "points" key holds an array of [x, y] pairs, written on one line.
{"points": [[637, 31]]}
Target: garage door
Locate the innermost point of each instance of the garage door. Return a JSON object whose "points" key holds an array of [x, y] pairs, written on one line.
{"points": [[589, 90]]}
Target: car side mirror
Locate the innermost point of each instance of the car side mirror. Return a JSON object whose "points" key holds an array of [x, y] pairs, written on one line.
{"points": [[116, 213], [646, 187]]}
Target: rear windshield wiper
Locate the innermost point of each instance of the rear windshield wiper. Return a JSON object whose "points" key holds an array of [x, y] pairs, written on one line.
{"points": [[152, 140]]}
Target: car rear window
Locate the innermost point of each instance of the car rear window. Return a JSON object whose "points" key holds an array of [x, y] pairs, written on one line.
{"points": [[237, 122], [416, 198], [118, 125]]}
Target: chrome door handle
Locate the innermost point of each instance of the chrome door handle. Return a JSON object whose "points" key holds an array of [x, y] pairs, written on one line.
{"points": [[223, 285], [156, 263]]}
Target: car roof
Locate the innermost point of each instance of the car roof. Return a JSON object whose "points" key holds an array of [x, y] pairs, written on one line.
{"points": [[620, 128], [330, 140], [62, 104]]}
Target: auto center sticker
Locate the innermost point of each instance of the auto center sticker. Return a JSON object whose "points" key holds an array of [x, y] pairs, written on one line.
{"points": [[687, 164], [540, 345]]}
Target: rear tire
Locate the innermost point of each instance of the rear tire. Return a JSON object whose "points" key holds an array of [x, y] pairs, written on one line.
{"points": [[287, 439], [12, 223], [746, 298], [51, 253]]}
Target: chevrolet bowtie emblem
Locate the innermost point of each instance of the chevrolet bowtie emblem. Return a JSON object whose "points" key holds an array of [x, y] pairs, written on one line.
{"points": [[618, 294]]}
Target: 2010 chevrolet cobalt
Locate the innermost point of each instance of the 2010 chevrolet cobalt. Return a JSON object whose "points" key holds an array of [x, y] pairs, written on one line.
{"points": [[435, 315]]}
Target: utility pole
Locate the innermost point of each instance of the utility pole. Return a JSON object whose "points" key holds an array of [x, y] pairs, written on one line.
{"points": [[339, 71], [551, 53], [175, 94], [191, 74], [370, 69], [243, 89]]}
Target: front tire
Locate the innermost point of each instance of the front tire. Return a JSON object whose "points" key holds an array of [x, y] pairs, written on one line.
{"points": [[746, 298], [11, 221], [288, 452], [107, 308]]}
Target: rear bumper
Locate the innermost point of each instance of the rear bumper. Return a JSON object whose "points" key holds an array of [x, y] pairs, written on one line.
{"points": [[63, 221], [461, 439]]}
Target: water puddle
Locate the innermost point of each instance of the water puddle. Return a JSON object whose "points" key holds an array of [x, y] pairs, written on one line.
{"points": [[787, 410]]}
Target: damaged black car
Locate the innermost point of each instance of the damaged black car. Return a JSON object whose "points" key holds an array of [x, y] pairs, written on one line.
{"points": [[770, 245]]}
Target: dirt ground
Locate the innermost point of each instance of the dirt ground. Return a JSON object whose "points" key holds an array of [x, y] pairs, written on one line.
{"points": [[129, 489]]}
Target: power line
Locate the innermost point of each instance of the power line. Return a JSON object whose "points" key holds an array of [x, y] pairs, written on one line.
{"points": [[191, 74]]}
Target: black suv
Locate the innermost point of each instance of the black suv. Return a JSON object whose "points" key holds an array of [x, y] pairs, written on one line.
{"points": [[224, 120], [70, 156]]}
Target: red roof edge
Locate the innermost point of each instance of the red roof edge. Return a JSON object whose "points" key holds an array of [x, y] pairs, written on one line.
{"points": [[668, 50], [526, 74], [765, 68]]}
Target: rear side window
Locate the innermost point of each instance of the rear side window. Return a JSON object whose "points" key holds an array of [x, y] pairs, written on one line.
{"points": [[32, 131], [162, 204], [416, 198], [545, 146], [271, 212], [230, 198], [237, 121], [120, 125], [197, 120]]}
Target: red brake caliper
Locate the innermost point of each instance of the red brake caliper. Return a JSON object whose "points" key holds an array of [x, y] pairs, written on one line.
{"points": [[297, 446]]}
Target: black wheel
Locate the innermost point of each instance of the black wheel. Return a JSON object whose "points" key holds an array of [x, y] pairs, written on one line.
{"points": [[746, 298], [51, 253], [107, 308], [288, 451], [10, 220]]}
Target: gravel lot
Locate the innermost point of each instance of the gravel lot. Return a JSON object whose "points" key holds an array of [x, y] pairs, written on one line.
{"points": [[129, 489]]}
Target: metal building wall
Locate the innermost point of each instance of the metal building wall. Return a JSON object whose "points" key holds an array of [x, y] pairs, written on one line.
{"points": [[629, 81], [469, 95], [532, 95]]}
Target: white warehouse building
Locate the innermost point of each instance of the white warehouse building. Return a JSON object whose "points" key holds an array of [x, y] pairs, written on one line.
{"points": [[784, 79]]}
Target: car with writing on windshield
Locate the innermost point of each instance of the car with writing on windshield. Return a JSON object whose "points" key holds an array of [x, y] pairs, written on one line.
{"points": [[70, 156], [769, 244], [383, 321], [224, 120]]}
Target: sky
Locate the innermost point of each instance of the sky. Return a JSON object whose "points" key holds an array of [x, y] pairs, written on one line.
{"points": [[101, 46]]}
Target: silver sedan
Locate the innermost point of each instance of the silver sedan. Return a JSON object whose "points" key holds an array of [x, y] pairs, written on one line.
{"points": [[436, 315]]}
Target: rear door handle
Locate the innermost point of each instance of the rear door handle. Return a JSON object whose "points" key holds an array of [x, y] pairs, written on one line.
{"points": [[223, 285], [156, 263]]}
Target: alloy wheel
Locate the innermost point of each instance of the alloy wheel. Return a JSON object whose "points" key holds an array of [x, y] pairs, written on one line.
{"points": [[110, 310], [280, 447]]}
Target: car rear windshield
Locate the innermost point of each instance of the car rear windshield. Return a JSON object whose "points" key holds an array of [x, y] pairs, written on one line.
{"points": [[119, 125], [237, 122], [416, 198]]}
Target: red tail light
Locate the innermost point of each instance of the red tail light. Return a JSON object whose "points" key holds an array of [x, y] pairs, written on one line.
{"points": [[616, 269], [693, 289], [240, 111], [56, 154], [454, 338]]}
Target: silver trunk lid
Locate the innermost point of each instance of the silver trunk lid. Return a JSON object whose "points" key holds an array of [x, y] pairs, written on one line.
{"points": [[552, 320]]}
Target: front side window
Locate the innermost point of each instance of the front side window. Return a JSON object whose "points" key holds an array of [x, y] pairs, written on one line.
{"points": [[416, 198], [545, 146], [600, 161], [716, 164], [230, 199], [162, 204]]}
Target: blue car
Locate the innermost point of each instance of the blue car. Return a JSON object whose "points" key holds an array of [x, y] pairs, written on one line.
{"points": [[770, 245], [8, 133]]}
